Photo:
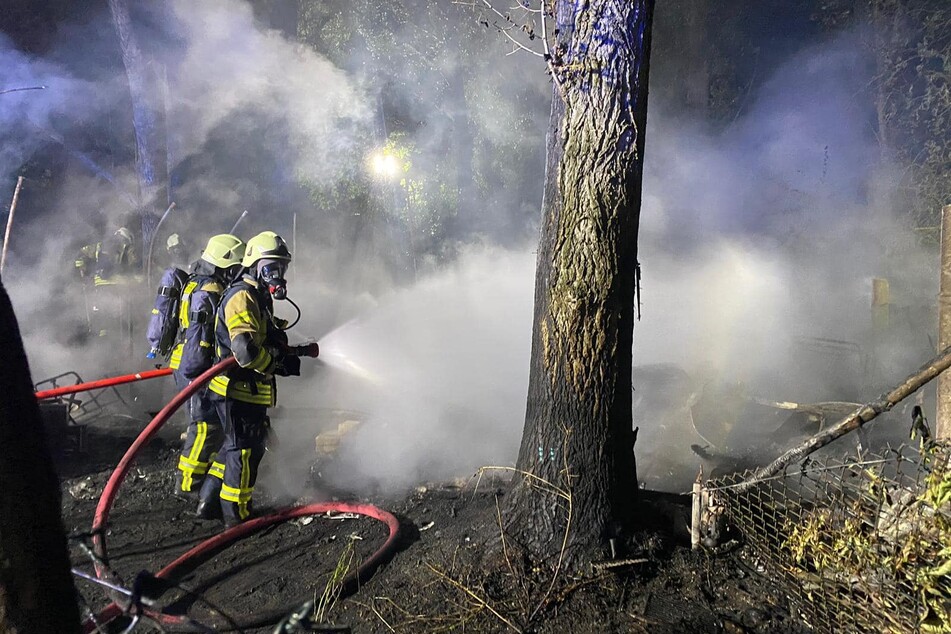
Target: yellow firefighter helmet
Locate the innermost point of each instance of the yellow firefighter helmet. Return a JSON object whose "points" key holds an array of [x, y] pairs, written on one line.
{"points": [[124, 235], [223, 250], [265, 245], [173, 241]]}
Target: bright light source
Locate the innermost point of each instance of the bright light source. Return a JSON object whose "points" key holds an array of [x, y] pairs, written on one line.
{"points": [[384, 165]]}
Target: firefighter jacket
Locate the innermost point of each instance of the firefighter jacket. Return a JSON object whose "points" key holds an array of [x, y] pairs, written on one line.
{"points": [[87, 258], [106, 263], [195, 351], [245, 327]]}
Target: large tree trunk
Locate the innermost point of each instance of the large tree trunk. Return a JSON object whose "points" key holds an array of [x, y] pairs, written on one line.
{"points": [[36, 590], [578, 433]]}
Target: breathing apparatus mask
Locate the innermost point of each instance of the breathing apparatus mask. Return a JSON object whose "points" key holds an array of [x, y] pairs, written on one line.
{"points": [[272, 274], [267, 255]]}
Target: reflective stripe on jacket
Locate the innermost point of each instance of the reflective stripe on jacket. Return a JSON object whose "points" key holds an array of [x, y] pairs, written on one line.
{"points": [[245, 328]]}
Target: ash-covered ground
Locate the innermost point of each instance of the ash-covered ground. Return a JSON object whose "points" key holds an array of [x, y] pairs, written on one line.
{"points": [[451, 570]]}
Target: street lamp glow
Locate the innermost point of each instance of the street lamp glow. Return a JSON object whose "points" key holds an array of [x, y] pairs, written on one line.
{"points": [[384, 165]]}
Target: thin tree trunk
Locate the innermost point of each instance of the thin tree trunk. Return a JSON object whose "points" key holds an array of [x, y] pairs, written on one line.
{"points": [[943, 402], [36, 590], [578, 433], [881, 97], [697, 75], [147, 122]]}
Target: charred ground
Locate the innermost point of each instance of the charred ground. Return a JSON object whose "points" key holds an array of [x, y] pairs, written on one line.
{"points": [[452, 570]]}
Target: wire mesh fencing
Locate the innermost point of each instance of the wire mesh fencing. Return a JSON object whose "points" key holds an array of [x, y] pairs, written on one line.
{"points": [[861, 544]]}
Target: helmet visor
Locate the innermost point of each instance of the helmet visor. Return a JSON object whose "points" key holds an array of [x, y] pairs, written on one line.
{"points": [[273, 270]]}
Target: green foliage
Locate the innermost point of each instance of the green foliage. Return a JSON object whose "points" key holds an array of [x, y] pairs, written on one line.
{"points": [[887, 544]]}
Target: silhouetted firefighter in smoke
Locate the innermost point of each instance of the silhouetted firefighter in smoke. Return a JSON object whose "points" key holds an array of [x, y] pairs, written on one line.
{"points": [[117, 259], [177, 251], [109, 267], [193, 353], [245, 327], [162, 331]]}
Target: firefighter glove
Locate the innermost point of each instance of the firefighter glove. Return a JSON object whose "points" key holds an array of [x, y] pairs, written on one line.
{"points": [[288, 365]]}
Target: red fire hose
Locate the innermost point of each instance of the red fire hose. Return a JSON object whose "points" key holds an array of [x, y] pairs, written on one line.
{"points": [[118, 475], [101, 383]]}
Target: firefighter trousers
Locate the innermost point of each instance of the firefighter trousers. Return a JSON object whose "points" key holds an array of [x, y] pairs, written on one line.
{"points": [[202, 438], [234, 471]]}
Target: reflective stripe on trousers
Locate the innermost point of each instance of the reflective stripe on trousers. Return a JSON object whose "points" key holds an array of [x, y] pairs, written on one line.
{"points": [[236, 468], [201, 441], [216, 470]]}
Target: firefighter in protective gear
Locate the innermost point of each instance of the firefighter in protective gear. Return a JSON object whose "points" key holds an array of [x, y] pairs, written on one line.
{"points": [[111, 266], [86, 260], [177, 251], [162, 331], [103, 260], [245, 327], [116, 257], [214, 270]]}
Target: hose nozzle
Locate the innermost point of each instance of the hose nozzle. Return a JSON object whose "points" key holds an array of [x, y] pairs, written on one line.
{"points": [[311, 350]]}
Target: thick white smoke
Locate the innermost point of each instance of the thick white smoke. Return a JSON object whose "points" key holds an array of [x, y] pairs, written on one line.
{"points": [[759, 243], [754, 239], [231, 77]]}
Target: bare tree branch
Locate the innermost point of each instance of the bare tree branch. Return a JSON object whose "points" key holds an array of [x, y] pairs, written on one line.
{"points": [[853, 421]]}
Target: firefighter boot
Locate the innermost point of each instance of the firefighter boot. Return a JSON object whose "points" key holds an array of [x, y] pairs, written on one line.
{"points": [[179, 492], [209, 504]]}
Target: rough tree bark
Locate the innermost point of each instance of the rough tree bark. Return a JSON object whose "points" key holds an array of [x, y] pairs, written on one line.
{"points": [[578, 432], [36, 590]]}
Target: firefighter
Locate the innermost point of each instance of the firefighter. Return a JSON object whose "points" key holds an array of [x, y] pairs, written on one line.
{"points": [[86, 260], [177, 251], [116, 257], [109, 264], [220, 261], [245, 327], [162, 331]]}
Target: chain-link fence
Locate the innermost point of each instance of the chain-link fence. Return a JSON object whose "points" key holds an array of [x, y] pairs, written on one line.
{"points": [[862, 544]]}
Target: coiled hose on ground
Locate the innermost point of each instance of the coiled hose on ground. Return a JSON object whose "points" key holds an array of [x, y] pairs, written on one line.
{"points": [[225, 538]]}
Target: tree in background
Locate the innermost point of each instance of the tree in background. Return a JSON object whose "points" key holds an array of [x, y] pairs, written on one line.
{"points": [[913, 100], [910, 41], [577, 484], [145, 78], [439, 90]]}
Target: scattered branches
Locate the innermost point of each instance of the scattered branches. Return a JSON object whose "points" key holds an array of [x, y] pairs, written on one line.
{"points": [[482, 603], [380, 616], [8, 90], [505, 553], [543, 484], [545, 487]]}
